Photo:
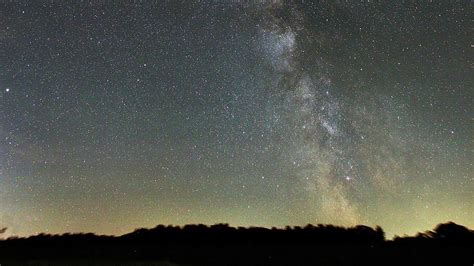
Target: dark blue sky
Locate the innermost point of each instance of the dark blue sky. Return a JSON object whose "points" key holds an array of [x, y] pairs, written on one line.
{"points": [[118, 115]]}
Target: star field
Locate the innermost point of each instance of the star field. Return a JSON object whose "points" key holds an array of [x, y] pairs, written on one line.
{"points": [[118, 115]]}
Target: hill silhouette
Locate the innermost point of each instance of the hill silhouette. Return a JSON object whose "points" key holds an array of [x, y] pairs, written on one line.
{"points": [[220, 244]]}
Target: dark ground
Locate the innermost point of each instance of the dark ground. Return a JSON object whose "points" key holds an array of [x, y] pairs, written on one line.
{"points": [[447, 244]]}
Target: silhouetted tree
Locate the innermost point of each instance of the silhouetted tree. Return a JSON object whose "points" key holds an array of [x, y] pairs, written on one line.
{"points": [[221, 244]]}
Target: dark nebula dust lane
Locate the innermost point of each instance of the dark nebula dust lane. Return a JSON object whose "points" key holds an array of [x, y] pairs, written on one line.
{"points": [[115, 116]]}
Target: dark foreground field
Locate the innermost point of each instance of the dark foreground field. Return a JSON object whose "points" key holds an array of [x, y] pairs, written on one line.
{"points": [[447, 244]]}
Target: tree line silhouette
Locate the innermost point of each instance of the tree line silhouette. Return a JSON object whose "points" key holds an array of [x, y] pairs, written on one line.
{"points": [[220, 244]]}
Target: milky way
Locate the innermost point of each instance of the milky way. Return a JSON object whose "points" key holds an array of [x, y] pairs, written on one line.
{"points": [[115, 116]]}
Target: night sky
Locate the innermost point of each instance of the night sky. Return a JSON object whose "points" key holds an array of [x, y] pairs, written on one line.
{"points": [[117, 115]]}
